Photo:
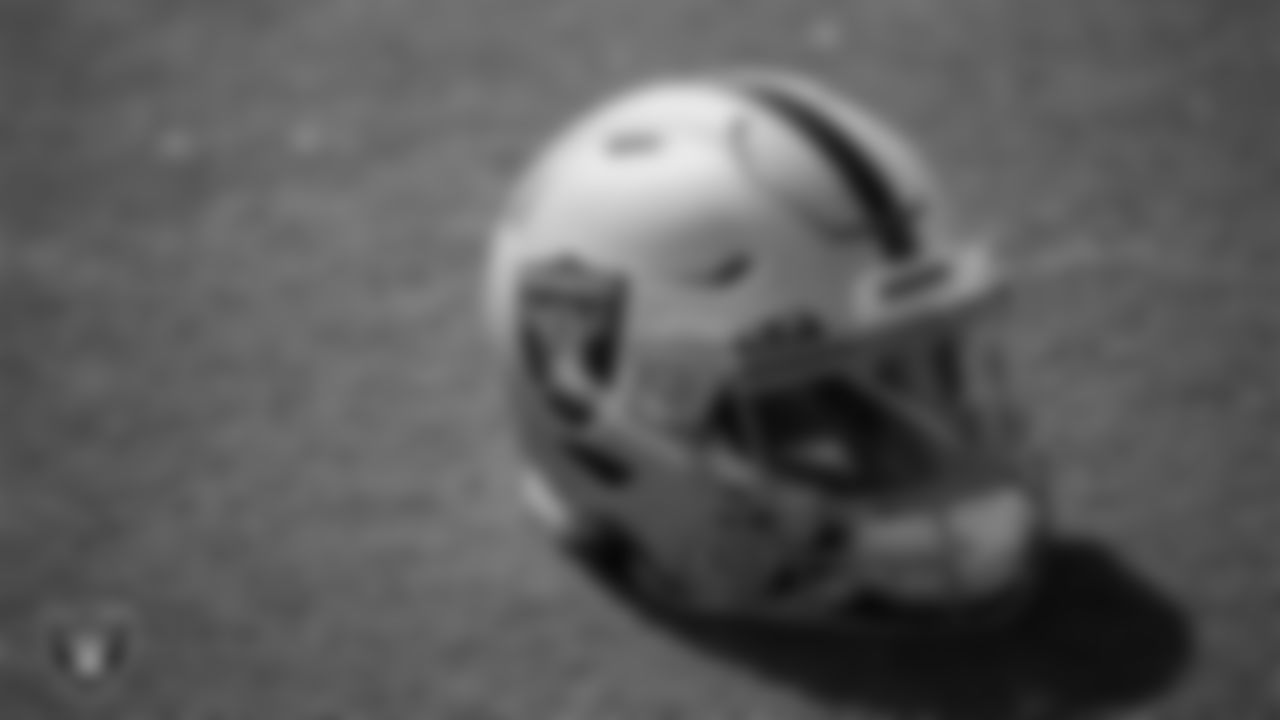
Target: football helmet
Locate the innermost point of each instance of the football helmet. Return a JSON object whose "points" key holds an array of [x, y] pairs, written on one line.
{"points": [[749, 368]]}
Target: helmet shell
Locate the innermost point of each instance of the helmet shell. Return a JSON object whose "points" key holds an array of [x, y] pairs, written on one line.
{"points": [[669, 245]]}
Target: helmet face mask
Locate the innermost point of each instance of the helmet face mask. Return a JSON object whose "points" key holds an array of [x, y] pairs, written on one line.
{"points": [[718, 344], [855, 416], [838, 431]]}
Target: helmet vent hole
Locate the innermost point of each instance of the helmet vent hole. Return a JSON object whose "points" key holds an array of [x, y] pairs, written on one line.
{"points": [[634, 142]]}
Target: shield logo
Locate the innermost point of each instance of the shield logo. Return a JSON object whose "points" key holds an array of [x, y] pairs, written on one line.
{"points": [[571, 321]]}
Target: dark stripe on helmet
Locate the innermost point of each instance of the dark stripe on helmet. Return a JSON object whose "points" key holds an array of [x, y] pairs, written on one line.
{"points": [[863, 181]]}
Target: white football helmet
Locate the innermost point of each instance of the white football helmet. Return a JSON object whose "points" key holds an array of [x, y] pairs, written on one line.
{"points": [[746, 361]]}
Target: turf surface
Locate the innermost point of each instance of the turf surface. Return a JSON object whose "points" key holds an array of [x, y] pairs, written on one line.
{"points": [[248, 434]]}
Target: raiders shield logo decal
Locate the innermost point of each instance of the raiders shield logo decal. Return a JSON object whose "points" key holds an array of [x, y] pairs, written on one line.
{"points": [[572, 318]]}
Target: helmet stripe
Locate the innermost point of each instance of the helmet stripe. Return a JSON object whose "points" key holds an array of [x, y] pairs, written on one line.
{"points": [[863, 181]]}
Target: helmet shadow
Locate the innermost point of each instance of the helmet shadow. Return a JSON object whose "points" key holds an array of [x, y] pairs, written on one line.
{"points": [[1094, 638]]}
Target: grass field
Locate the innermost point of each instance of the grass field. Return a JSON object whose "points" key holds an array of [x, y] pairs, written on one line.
{"points": [[247, 426]]}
